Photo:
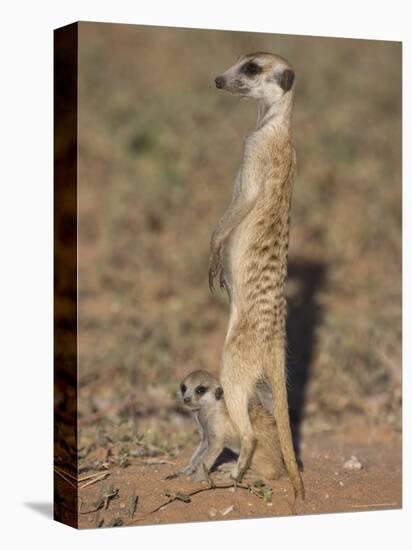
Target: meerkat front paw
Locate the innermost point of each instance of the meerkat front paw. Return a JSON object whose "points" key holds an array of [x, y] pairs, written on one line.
{"points": [[215, 269]]}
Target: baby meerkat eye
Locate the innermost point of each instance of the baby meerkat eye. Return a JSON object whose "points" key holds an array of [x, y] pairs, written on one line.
{"points": [[200, 390], [183, 388], [251, 68]]}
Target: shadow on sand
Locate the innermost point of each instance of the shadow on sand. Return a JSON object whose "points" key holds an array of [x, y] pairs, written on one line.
{"points": [[304, 316]]}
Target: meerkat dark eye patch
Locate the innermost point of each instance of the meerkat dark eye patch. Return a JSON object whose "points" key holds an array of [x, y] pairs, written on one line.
{"points": [[200, 390], [219, 393], [251, 69], [286, 79], [183, 389]]}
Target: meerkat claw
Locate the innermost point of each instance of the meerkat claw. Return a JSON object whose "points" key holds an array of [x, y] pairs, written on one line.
{"points": [[222, 280], [211, 278], [209, 480], [235, 482], [237, 478]]}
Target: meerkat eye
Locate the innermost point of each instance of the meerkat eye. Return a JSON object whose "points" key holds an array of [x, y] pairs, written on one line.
{"points": [[251, 68], [200, 390], [183, 388]]}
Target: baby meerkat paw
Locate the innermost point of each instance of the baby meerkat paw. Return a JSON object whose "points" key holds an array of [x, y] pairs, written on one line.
{"points": [[188, 471], [199, 475]]}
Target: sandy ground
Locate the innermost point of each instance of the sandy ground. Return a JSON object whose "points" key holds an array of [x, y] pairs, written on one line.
{"points": [[330, 488]]}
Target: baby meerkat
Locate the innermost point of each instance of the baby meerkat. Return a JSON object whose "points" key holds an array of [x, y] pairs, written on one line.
{"points": [[202, 394]]}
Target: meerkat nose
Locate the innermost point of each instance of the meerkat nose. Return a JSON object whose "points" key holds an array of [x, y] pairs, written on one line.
{"points": [[186, 400], [219, 81]]}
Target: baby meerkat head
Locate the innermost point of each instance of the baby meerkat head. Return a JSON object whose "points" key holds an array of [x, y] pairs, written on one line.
{"points": [[199, 389], [258, 76]]}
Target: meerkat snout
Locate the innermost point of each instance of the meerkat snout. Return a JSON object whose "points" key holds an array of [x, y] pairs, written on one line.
{"points": [[220, 82]]}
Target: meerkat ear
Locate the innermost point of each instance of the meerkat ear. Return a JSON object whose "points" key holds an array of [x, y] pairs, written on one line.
{"points": [[286, 79], [219, 393]]}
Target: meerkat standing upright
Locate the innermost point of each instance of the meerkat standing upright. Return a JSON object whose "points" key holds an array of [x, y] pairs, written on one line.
{"points": [[249, 250]]}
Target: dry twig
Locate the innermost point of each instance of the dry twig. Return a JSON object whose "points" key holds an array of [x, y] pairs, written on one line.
{"points": [[186, 497], [66, 479], [100, 477]]}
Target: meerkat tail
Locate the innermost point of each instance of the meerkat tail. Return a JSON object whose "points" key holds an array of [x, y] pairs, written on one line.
{"points": [[277, 377]]}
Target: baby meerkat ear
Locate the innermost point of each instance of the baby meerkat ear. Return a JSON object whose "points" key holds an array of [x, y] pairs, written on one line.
{"points": [[219, 393], [286, 79]]}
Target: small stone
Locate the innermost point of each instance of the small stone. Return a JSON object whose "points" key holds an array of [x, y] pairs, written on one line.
{"points": [[122, 505], [212, 512], [341, 483], [326, 496], [353, 464], [270, 503], [227, 510], [232, 489]]}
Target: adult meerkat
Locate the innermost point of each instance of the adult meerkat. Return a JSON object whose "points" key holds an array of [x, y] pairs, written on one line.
{"points": [[249, 250], [202, 394]]}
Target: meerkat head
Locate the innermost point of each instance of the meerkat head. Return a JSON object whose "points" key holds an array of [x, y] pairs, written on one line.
{"points": [[199, 389], [258, 76]]}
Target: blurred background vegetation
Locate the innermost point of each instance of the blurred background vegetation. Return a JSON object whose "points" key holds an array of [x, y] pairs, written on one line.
{"points": [[159, 147]]}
